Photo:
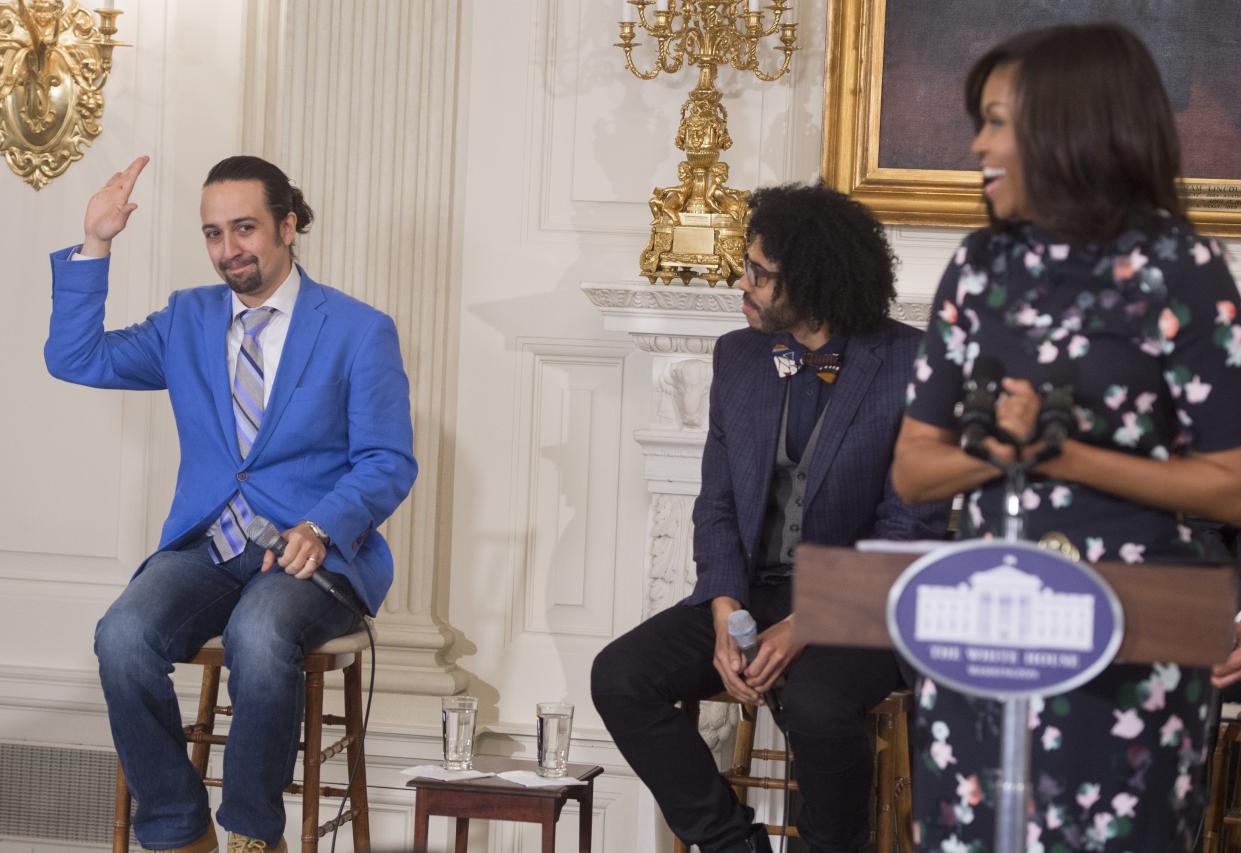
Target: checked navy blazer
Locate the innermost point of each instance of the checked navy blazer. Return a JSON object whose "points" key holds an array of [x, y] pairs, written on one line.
{"points": [[849, 492]]}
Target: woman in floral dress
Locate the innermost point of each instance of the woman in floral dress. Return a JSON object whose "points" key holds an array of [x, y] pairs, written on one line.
{"points": [[1088, 270]]}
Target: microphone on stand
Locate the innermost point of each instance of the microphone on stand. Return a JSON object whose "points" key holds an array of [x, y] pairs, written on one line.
{"points": [[263, 533], [1055, 416], [977, 420]]}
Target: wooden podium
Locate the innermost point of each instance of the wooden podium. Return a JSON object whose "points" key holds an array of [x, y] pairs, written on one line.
{"points": [[1172, 613]]}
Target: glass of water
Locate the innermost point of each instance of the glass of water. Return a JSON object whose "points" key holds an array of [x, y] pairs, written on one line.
{"points": [[458, 714], [555, 724]]}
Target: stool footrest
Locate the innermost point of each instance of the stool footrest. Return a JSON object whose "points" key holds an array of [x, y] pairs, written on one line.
{"points": [[324, 790], [335, 720], [770, 754], [348, 815], [194, 734], [296, 788], [336, 748], [767, 784]]}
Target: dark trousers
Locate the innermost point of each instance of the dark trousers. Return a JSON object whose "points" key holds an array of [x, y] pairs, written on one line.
{"points": [[637, 679]]}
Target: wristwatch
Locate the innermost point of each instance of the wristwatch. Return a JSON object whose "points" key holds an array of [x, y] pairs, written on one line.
{"points": [[319, 532]]}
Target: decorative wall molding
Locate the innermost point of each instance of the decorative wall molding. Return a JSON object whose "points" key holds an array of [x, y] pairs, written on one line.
{"points": [[670, 573], [335, 83], [697, 298], [915, 313], [567, 450], [668, 344]]}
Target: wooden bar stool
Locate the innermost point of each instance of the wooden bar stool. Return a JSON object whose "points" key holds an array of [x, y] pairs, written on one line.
{"points": [[893, 822], [1223, 815], [342, 653]]}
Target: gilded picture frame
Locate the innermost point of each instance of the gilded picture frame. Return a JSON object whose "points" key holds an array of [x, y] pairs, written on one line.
{"points": [[903, 193]]}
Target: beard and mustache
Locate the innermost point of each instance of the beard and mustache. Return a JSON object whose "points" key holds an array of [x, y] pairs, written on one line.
{"points": [[250, 282], [779, 316]]}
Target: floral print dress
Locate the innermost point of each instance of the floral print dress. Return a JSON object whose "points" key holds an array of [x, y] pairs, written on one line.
{"points": [[1145, 328]]}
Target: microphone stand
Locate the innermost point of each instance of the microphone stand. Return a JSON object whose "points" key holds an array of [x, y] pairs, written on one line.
{"points": [[1014, 782]]}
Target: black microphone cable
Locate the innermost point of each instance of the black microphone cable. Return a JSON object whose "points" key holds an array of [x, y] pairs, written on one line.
{"points": [[264, 534]]}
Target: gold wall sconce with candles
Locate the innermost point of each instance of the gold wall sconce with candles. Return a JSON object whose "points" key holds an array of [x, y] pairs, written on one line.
{"points": [[54, 61], [698, 226]]}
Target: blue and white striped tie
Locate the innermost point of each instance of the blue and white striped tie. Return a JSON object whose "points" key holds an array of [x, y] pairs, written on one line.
{"points": [[228, 538]]}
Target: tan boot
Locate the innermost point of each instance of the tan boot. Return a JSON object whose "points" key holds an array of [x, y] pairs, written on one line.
{"points": [[238, 843], [205, 844]]}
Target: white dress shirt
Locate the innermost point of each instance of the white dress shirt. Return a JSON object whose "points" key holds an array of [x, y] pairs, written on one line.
{"points": [[273, 335]]}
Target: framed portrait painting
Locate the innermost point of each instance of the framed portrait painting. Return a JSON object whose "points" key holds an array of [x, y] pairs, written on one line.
{"points": [[896, 134]]}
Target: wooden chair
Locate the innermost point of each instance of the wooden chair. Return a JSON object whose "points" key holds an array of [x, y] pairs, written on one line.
{"points": [[893, 821], [1220, 832], [342, 653]]}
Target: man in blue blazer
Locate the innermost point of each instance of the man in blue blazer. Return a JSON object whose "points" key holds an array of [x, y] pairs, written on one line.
{"points": [[291, 403], [805, 408]]}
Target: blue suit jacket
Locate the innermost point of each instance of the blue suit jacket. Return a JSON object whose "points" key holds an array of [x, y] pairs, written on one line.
{"points": [[336, 442], [849, 494]]}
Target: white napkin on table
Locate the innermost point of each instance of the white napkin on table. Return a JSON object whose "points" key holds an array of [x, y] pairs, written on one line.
{"points": [[436, 771], [530, 779]]}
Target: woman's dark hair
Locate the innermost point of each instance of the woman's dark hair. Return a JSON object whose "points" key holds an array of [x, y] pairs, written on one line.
{"points": [[1095, 132], [282, 197], [835, 262]]}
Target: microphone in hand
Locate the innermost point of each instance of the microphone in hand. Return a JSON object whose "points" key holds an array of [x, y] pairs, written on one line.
{"points": [[263, 533], [744, 631]]}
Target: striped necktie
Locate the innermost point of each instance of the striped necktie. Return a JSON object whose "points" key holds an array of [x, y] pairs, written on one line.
{"points": [[228, 538]]}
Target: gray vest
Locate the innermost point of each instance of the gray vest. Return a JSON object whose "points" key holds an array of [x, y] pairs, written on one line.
{"points": [[786, 499]]}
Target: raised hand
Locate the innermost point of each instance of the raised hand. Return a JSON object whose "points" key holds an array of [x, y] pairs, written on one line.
{"points": [[108, 210]]}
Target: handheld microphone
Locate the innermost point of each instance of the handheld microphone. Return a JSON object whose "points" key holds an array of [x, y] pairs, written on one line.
{"points": [[263, 533], [978, 412], [744, 631]]}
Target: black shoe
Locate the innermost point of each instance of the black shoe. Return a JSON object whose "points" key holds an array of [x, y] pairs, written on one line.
{"points": [[755, 842], [758, 842]]}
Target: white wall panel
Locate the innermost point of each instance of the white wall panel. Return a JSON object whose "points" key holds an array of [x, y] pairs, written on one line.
{"points": [[88, 473], [568, 450]]}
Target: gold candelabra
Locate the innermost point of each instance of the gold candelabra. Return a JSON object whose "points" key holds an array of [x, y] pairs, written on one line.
{"points": [[698, 226], [54, 61]]}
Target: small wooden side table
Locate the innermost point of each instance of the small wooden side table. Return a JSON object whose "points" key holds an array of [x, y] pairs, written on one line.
{"points": [[493, 798]]}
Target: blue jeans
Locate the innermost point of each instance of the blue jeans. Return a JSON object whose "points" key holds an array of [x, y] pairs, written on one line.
{"points": [[178, 601]]}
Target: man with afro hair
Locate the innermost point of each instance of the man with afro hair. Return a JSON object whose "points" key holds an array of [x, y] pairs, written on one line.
{"points": [[804, 411]]}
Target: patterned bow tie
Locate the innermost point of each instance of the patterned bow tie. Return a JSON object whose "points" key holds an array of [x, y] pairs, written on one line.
{"points": [[826, 365]]}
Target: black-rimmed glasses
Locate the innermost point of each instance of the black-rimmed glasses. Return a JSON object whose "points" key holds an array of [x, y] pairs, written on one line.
{"points": [[758, 274]]}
